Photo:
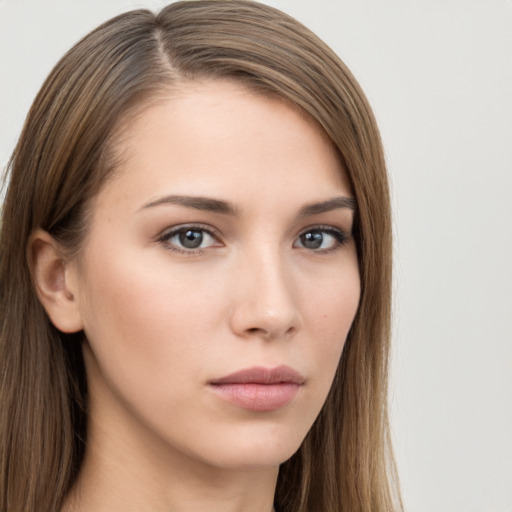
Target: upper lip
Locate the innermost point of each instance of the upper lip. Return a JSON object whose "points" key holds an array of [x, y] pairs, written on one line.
{"points": [[262, 375]]}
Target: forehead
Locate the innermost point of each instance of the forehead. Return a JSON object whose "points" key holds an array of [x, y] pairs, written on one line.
{"points": [[220, 137]]}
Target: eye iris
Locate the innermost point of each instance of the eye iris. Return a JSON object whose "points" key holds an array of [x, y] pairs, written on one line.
{"points": [[312, 239], [191, 239]]}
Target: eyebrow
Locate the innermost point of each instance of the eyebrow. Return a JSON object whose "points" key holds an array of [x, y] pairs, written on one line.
{"points": [[326, 206], [226, 208], [198, 203]]}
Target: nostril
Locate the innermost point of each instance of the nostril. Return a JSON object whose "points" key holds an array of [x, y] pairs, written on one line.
{"points": [[258, 330], [270, 334]]}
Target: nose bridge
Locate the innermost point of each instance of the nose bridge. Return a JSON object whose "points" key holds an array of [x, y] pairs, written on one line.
{"points": [[265, 303]]}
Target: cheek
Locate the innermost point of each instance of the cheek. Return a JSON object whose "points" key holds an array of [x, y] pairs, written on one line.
{"points": [[331, 301], [146, 323], [329, 311]]}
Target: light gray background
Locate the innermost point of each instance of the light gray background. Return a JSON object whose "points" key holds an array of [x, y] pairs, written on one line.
{"points": [[439, 76]]}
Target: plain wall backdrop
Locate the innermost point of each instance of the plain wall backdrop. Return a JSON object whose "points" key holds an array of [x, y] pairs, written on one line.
{"points": [[438, 74]]}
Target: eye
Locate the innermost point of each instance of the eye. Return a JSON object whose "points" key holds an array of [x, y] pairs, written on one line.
{"points": [[321, 239], [189, 239]]}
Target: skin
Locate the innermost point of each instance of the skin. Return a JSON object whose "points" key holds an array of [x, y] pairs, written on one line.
{"points": [[163, 321]]}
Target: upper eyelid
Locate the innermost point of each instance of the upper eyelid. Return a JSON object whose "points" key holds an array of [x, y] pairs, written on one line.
{"points": [[198, 226], [325, 227], [214, 231]]}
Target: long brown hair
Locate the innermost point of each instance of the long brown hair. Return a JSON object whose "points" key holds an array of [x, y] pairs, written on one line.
{"points": [[62, 159]]}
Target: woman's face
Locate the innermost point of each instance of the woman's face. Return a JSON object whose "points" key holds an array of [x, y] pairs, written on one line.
{"points": [[218, 280]]}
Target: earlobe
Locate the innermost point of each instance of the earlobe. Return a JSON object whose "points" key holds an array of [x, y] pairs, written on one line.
{"points": [[51, 275]]}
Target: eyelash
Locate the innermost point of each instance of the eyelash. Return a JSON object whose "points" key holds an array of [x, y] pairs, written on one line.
{"points": [[341, 238]]}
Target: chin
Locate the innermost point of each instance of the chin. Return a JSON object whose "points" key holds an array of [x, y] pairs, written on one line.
{"points": [[266, 448]]}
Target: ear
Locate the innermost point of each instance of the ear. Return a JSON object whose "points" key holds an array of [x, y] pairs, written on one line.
{"points": [[53, 280]]}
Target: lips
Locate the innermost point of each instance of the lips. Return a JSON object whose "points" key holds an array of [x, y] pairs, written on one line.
{"points": [[259, 389]]}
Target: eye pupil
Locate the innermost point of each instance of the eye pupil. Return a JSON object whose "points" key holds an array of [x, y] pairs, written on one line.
{"points": [[191, 239], [312, 239]]}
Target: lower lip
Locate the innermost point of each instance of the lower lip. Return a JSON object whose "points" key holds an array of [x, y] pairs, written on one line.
{"points": [[257, 397]]}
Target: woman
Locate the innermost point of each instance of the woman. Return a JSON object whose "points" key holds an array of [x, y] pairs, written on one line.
{"points": [[195, 272]]}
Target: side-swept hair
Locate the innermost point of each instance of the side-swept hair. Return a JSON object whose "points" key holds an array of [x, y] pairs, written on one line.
{"points": [[63, 157]]}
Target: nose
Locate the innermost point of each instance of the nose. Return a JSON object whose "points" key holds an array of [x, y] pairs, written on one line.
{"points": [[265, 299]]}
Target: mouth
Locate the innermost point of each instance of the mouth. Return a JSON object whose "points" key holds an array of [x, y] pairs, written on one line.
{"points": [[259, 389]]}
